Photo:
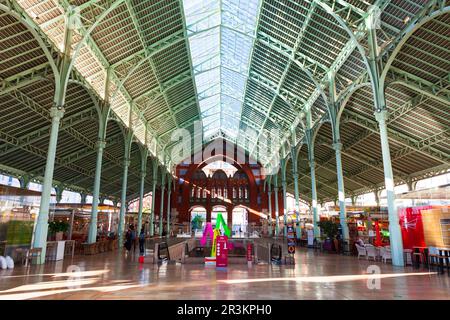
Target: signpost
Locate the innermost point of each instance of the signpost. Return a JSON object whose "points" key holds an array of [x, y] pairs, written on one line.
{"points": [[290, 239], [249, 254], [310, 233], [222, 252]]}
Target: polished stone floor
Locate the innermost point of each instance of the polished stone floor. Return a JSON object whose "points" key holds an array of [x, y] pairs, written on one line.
{"points": [[315, 276]]}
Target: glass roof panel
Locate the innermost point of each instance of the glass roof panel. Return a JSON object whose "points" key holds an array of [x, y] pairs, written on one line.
{"points": [[221, 34]]}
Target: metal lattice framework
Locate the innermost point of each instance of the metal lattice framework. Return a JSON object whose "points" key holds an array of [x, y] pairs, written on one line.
{"points": [[243, 68]]}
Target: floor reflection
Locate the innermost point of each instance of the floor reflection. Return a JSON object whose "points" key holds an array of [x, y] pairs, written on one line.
{"points": [[315, 276]]}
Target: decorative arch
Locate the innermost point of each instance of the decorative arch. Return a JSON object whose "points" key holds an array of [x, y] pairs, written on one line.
{"points": [[19, 14], [95, 99], [406, 34], [219, 174]]}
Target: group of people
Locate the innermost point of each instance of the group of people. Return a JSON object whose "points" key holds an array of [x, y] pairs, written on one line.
{"points": [[131, 240]]}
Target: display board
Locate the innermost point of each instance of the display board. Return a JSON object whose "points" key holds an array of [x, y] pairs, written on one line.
{"points": [[290, 239], [222, 252]]}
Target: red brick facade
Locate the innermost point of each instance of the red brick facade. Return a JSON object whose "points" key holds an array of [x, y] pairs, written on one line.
{"points": [[246, 188]]}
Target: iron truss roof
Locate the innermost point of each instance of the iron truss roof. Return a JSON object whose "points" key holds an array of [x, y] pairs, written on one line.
{"points": [[244, 68]]}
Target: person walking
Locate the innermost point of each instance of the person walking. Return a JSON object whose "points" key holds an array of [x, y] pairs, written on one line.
{"points": [[142, 242]]}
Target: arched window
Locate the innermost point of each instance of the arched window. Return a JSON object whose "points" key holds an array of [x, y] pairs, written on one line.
{"points": [[198, 193], [245, 193], [204, 193], [225, 193], [219, 192], [234, 193], [240, 193]]}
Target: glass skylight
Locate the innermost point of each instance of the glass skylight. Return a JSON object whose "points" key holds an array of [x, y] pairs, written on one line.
{"points": [[221, 34]]}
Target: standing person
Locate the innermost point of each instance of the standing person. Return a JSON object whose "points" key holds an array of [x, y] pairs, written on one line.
{"points": [[142, 242], [128, 239], [133, 238]]}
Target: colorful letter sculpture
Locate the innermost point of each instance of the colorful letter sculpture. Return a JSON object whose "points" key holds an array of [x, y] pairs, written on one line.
{"points": [[213, 234], [208, 231]]}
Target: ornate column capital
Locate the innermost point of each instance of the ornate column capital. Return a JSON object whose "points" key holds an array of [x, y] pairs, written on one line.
{"points": [[101, 144], [143, 173], [337, 146], [381, 116], [312, 163], [56, 112]]}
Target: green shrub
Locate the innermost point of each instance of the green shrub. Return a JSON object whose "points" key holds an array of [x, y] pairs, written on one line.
{"points": [[330, 229], [19, 232], [57, 226]]}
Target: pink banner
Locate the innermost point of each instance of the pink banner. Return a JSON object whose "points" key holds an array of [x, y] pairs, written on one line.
{"points": [[222, 251]]}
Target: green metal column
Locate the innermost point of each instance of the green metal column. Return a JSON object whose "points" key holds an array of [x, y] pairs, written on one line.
{"points": [[269, 193], [337, 146], [341, 193], [56, 113], [161, 211], [92, 236], [123, 199], [275, 189], [141, 199], [41, 230], [395, 234], [144, 156], [169, 192], [312, 165], [284, 186], [154, 181], [296, 190]]}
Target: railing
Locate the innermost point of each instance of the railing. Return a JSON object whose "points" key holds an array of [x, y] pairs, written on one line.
{"points": [[270, 250], [176, 252]]}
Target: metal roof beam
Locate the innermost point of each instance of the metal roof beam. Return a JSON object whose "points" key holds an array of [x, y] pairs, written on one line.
{"points": [[438, 91], [345, 53], [162, 89], [25, 78], [154, 49], [40, 153], [90, 43], [291, 56], [397, 137], [37, 135]]}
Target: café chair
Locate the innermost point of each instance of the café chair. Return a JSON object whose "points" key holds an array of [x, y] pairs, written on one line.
{"points": [[408, 256], [418, 258], [433, 257], [371, 252], [50, 252], [386, 254], [33, 253], [361, 250]]}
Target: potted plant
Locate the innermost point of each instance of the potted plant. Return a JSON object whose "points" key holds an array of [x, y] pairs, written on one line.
{"points": [[330, 229], [58, 228]]}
